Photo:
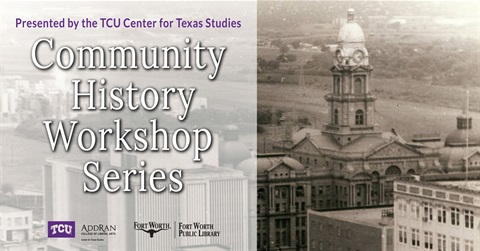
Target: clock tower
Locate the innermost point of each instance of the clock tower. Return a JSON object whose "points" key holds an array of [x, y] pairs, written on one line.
{"points": [[351, 104]]}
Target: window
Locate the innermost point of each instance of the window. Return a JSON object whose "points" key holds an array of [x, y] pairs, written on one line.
{"points": [[359, 117], [335, 117], [308, 160], [442, 242], [299, 192], [402, 234], [320, 190], [336, 87], [415, 237], [428, 240], [304, 237], [129, 161], [261, 194], [468, 219], [428, 211], [455, 241], [358, 86], [469, 245], [18, 221], [442, 214], [415, 210], [402, 207], [455, 214], [282, 234]]}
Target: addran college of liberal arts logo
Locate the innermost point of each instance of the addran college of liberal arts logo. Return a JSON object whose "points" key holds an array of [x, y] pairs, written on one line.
{"points": [[61, 229], [151, 227]]}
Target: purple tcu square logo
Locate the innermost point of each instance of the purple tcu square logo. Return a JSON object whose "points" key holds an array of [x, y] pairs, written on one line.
{"points": [[61, 229]]}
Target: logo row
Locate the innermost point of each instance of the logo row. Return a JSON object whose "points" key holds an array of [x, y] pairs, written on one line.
{"points": [[66, 229]]}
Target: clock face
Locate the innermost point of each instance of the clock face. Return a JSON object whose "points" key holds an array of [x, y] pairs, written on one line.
{"points": [[338, 55], [358, 56]]}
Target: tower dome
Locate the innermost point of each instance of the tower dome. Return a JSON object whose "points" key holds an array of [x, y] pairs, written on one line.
{"points": [[232, 151], [458, 137], [351, 32]]}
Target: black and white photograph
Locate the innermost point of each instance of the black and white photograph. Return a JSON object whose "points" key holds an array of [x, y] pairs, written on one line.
{"points": [[368, 125]]}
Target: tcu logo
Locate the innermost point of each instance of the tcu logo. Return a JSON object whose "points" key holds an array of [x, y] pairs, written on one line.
{"points": [[61, 229]]}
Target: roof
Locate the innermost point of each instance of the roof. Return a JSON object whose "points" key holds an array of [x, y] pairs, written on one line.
{"points": [[10, 209], [351, 32], [233, 152], [27, 192], [458, 137], [364, 144], [454, 156], [472, 185], [453, 186], [268, 163], [370, 216]]}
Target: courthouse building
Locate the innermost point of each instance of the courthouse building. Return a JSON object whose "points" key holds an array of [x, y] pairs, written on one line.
{"points": [[352, 163]]}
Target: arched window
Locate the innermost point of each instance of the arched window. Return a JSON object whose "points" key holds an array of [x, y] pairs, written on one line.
{"points": [[261, 194], [359, 117], [335, 117], [358, 86], [336, 87], [411, 171], [299, 192], [393, 170]]}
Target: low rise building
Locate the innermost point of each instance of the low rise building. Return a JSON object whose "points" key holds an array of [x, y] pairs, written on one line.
{"points": [[15, 228], [436, 216], [362, 229]]}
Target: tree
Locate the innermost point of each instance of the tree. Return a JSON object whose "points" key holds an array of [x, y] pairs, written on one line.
{"points": [[284, 49], [295, 44], [286, 58], [277, 43]]}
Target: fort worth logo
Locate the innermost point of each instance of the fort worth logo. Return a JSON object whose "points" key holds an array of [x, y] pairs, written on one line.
{"points": [[151, 227]]}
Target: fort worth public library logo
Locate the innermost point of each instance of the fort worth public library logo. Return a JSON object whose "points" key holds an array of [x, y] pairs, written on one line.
{"points": [[151, 227], [61, 229]]}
